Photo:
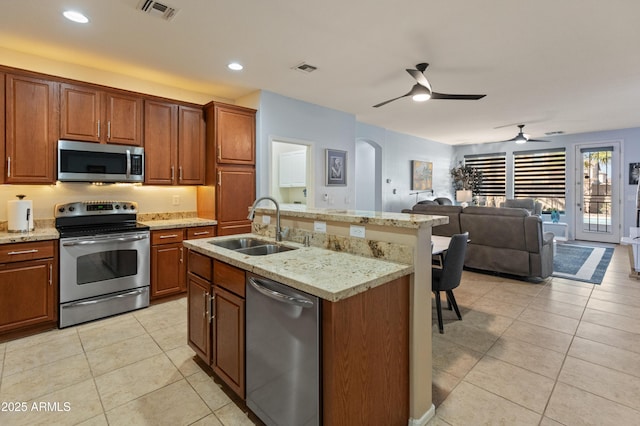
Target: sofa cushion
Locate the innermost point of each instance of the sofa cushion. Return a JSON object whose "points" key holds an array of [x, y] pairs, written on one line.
{"points": [[495, 227], [452, 212], [532, 206]]}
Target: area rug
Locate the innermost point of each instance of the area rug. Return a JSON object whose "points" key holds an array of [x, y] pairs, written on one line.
{"points": [[579, 262]]}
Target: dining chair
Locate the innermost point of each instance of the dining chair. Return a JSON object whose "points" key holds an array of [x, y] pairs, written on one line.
{"points": [[448, 277]]}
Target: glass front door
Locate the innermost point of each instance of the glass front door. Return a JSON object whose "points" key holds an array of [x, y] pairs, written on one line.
{"points": [[597, 192]]}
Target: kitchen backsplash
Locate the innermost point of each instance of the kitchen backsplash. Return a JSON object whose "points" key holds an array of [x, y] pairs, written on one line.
{"points": [[150, 199]]}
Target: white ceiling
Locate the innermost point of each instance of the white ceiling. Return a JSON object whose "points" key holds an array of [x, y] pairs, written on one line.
{"points": [[569, 65]]}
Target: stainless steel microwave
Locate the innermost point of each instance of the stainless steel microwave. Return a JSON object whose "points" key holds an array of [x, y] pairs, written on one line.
{"points": [[96, 162]]}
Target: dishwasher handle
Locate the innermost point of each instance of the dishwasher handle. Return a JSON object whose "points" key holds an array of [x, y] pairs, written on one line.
{"points": [[259, 285]]}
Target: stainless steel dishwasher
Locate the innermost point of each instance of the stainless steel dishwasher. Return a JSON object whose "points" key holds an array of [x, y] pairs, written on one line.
{"points": [[282, 353]]}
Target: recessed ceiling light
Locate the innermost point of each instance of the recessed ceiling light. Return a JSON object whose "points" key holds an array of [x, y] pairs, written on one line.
{"points": [[74, 16], [235, 66]]}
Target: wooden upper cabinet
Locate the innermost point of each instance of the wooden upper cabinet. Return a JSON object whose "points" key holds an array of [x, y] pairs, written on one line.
{"points": [[160, 142], [174, 144], [124, 119], [191, 146], [31, 132], [235, 193], [2, 156], [235, 134], [81, 113], [93, 115]]}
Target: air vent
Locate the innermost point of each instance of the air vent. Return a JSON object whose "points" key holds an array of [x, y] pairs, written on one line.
{"points": [[305, 68], [160, 10]]}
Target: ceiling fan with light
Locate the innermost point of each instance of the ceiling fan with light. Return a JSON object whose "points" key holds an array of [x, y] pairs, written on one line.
{"points": [[523, 137], [421, 91]]}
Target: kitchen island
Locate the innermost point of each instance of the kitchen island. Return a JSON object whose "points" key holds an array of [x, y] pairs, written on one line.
{"points": [[376, 313]]}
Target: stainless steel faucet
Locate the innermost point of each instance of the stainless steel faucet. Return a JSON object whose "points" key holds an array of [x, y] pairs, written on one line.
{"points": [[252, 213]]}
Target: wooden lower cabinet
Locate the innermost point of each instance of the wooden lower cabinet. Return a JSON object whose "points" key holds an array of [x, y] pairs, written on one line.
{"points": [[365, 343], [198, 326], [228, 327], [28, 286], [216, 317], [365, 357], [168, 271]]}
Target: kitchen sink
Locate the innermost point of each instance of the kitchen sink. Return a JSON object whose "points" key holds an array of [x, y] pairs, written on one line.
{"points": [[264, 250], [239, 243], [251, 246]]}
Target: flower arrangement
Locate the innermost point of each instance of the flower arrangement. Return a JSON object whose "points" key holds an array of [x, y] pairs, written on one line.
{"points": [[466, 178]]}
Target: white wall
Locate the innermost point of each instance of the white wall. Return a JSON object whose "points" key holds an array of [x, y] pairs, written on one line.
{"points": [[398, 150], [286, 118]]}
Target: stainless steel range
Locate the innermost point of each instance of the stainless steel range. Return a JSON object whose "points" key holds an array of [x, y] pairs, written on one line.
{"points": [[104, 260]]}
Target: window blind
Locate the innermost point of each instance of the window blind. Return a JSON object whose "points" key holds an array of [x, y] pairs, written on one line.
{"points": [[494, 172], [539, 174]]}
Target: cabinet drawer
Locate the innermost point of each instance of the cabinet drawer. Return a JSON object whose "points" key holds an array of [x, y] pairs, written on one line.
{"points": [[201, 232], [27, 251], [167, 236], [228, 277], [200, 265]]}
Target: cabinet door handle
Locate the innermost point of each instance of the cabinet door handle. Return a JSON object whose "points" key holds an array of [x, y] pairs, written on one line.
{"points": [[213, 307], [180, 173], [219, 156], [205, 314], [181, 257], [168, 236], [50, 273], [200, 233], [108, 130], [8, 166], [98, 129], [11, 253], [219, 178], [173, 174]]}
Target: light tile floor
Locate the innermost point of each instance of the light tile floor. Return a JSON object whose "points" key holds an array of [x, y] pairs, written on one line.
{"points": [[557, 352], [133, 369]]}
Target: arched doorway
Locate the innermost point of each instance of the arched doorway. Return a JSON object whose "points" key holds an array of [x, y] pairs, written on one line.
{"points": [[368, 175]]}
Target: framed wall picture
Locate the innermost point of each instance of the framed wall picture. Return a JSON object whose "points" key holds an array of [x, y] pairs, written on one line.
{"points": [[421, 175], [634, 173], [336, 167]]}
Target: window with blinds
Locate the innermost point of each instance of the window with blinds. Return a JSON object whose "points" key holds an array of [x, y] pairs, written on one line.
{"points": [[494, 173], [540, 175]]}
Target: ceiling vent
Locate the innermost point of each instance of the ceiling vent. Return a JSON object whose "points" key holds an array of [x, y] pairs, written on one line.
{"points": [[155, 8], [305, 68]]}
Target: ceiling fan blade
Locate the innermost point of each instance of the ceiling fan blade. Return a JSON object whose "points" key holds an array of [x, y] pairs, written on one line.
{"points": [[436, 95], [537, 140], [420, 78], [391, 100]]}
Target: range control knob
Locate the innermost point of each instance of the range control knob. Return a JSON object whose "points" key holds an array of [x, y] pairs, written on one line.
{"points": [[71, 208], [118, 206], [61, 209]]}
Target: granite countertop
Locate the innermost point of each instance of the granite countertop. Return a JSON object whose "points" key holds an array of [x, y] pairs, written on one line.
{"points": [[188, 222], [38, 234], [324, 273], [361, 217]]}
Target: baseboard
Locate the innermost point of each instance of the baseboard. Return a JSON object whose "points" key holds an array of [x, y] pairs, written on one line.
{"points": [[422, 421]]}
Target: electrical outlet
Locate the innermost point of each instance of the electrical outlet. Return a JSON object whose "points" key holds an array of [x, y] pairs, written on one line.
{"points": [[266, 219], [320, 227], [357, 231], [175, 200]]}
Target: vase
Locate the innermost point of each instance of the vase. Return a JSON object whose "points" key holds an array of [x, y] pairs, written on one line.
{"points": [[555, 216]]}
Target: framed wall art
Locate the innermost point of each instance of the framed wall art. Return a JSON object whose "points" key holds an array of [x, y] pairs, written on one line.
{"points": [[336, 167], [634, 173], [421, 175]]}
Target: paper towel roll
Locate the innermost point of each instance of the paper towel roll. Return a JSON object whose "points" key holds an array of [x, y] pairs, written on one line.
{"points": [[20, 215]]}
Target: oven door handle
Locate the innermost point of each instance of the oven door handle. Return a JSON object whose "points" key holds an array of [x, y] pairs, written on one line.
{"points": [[111, 240], [106, 299]]}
